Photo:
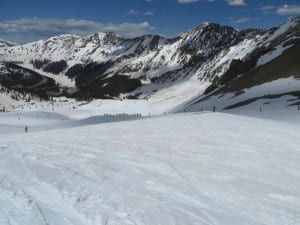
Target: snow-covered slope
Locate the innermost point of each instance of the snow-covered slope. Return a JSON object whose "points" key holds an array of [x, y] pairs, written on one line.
{"points": [[148, 172], [8, 100], [285, 92]]}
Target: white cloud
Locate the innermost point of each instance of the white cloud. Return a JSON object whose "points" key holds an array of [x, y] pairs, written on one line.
{"points": [[289, 10], [136, 12], [148, 13], [268, 9], [186, 1], [236, 2], [133, 12], [285, 10], [30, 29], [191, 1], [239, 20]]}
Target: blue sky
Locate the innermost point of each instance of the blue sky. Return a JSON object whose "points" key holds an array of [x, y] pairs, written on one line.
{"points": [[29, 20]]}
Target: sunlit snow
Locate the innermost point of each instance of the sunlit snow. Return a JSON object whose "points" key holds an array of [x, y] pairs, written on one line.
{"points": [[189, 168]]}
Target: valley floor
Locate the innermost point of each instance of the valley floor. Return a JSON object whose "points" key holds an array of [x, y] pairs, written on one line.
{"points": [[190, 168]]}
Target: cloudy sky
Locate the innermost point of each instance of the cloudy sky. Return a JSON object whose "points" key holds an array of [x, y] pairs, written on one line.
{"points": [[30, 20]]}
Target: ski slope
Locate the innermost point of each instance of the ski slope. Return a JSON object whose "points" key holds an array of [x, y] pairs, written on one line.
{"points": [[206, 168]]}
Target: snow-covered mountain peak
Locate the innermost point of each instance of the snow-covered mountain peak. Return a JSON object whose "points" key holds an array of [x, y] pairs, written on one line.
{"points": [[106, 64], [207, 27], [4, 43]]}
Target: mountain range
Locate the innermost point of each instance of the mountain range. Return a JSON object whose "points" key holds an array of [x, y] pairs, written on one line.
{"points": [[210, 65]]}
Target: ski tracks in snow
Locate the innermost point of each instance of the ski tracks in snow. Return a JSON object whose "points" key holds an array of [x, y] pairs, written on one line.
{"points": [[166, 170]]}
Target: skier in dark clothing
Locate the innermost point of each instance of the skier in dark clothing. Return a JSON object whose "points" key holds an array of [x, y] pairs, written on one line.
{"points": [[26, 129]]}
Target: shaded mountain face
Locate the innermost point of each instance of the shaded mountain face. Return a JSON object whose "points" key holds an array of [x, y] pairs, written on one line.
{"points": [[15, 77], [207, 60]]}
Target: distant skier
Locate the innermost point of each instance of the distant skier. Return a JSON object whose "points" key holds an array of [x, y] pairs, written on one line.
{"points": [[26, 129], [214, 109]]}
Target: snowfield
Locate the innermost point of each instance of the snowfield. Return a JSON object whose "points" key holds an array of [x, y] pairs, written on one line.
{"points": [[206, 168]]}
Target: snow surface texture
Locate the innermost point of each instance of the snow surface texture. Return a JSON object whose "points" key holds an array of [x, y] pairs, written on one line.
{"points": [[199, 168]]}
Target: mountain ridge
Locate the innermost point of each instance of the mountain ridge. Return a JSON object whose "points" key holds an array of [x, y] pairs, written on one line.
{"points": [[150, 66]]}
